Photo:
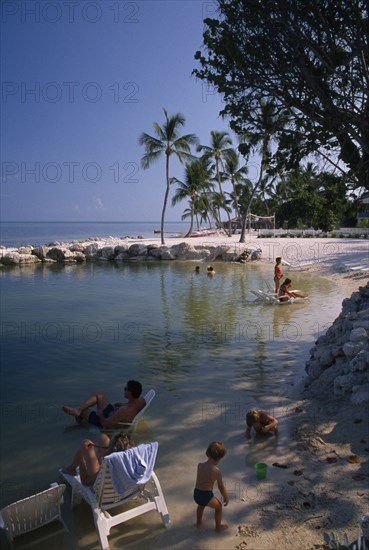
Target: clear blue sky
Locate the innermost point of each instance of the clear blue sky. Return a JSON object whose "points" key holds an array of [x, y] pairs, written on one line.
{"points": [[80, 81]]}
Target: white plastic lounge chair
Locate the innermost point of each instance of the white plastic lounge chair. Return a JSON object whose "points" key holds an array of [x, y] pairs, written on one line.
{"points": [[127, 476], [265, 297], [132, 425], [32, 513], [271, 298]]}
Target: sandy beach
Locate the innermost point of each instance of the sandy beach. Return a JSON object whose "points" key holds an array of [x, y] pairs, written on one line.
{"points": [[315, 486], [318, 490]]}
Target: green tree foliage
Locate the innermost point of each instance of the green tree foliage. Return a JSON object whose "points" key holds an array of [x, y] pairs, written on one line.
{"points": [[310, 58], [218, 151], [197, 182], [316, 200]]}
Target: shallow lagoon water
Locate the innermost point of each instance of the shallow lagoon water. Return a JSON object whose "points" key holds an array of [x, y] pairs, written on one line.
{"points": [[208, 350]]}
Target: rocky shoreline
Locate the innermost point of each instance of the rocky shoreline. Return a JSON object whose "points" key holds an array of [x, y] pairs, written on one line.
{"points": [[94, 250], [340, 359]]}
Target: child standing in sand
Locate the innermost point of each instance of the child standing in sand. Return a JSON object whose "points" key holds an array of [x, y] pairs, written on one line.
{"points": [[207, 474]]}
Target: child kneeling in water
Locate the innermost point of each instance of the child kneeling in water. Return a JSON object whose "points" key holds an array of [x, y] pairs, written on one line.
{"points": [[207, 474], [261, 421]]}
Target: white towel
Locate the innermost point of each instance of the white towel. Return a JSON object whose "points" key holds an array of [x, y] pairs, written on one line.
{"points": [[132, 467]]}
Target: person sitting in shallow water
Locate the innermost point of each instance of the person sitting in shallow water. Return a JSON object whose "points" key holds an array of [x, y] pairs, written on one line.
{"points": [[108, 415], [88, 459], [210, 271], [261, 422], [284, 293]]}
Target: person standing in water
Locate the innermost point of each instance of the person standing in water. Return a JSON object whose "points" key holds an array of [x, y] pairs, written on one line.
{"points": [[278, 274]]}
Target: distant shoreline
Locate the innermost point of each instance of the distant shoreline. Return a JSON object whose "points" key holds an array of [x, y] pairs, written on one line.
{"points": [[327, 257]]}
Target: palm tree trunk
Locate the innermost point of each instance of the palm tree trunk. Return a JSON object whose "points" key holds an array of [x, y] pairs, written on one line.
{"points": [[247, 209], [192, 216], [165, 200], [222, 195]]}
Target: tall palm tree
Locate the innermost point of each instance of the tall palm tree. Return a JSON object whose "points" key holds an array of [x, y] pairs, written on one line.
{"points": [[266, 127], [197, 181], [168, 142], [218, 151], [236, 175]]}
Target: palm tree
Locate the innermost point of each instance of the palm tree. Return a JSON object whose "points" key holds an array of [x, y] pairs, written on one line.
{"points": [[236, 175], [218, 151], [169, 142], [197, 181], [265, 128]]}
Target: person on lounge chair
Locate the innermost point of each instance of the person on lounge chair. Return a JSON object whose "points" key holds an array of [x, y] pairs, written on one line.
{"points": [[89, 456], [108, 415], [284, 293]]}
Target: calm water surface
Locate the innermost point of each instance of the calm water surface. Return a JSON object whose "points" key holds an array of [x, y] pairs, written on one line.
{"points": [[200, 342]]}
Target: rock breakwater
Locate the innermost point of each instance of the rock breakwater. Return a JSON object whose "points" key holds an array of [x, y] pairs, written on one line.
{"points": [[94, 250], [339, 360]]}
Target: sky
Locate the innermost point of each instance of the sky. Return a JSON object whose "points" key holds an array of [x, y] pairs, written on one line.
{"points": [[81, 80]]}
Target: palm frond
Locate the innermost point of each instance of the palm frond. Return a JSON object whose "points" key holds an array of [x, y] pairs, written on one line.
{"points": [[150, 158], [146, 139]]}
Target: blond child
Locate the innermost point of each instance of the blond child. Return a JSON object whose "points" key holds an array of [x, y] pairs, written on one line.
{"points": [[261, 422], [207, 474]]}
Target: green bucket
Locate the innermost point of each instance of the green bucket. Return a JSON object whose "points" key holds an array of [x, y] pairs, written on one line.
{"points": [[261, 470]]}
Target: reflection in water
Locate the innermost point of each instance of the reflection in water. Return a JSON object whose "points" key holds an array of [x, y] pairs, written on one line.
{"points": [[67, 331]]}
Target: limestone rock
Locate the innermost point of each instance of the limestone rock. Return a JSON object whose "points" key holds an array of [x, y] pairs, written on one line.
{"points": [[340, 358], [11, 258], [352, 348], [14, 258], [25, 250], [77, 247], [343, 384], [313, 369], [121, 249], [137, 249], [41, 252], [358, 334], [90, 251], [360, 394], [62, 255], [360, 362], [106, 253], [28, 259]]}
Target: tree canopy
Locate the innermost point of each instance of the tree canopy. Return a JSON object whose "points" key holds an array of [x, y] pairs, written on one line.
{"points": [[311, 59]]}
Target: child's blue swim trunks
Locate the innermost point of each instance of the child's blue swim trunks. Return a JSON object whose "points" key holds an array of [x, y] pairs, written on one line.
{"points": [[202, 498]]}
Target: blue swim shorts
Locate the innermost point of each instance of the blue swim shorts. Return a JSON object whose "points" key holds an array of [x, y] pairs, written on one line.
{"points": [[95, 420], [202, 498]]}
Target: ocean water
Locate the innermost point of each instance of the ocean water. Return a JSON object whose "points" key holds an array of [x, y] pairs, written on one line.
{"points": [[201, 342], [39, 233]]}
